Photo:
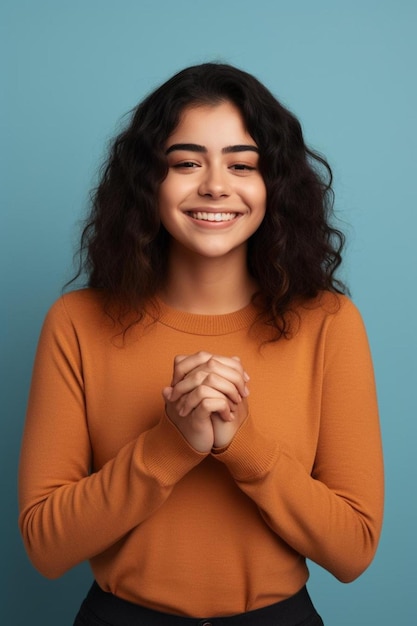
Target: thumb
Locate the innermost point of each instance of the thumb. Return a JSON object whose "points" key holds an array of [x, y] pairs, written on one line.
{"points": [[166, 393]]}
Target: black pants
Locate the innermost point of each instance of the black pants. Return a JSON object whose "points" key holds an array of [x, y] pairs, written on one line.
{"points": [[104, 609]]}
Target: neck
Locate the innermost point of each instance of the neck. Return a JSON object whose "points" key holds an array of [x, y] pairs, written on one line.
{"points": [[208, 286]]}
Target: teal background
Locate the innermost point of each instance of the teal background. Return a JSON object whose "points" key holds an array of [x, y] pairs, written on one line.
{"points": [[71, 69]]}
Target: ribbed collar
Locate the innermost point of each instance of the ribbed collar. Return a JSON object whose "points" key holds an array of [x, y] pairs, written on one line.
{"points": [[196, 324]]}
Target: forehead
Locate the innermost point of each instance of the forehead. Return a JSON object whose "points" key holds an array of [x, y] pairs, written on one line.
{"points": [[208, 124]]}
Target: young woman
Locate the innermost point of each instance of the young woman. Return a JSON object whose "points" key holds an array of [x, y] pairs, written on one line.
{"points": [[202, 417]]}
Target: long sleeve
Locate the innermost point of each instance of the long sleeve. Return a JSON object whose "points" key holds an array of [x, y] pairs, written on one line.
{"points": [[64, 497], [105, 476], [330, 512]]}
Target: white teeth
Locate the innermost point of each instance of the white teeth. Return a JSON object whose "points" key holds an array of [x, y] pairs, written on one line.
{"points": [[213, 217]]}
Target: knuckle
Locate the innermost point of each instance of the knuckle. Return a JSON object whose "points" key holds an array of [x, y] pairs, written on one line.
{"points": [[201, 392], [210, 379], [206, 404], [200, 377]]}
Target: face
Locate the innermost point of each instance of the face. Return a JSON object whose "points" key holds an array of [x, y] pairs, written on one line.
{"points": [[213, 198]]}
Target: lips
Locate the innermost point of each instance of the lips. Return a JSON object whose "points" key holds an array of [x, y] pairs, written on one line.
{"points": [[212, 216]]}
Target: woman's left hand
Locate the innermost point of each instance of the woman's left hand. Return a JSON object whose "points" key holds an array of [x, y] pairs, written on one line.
{"points": [[224, 432]]}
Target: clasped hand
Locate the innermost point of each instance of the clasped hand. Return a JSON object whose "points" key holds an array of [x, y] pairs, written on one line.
{"points": [[207, 399]]}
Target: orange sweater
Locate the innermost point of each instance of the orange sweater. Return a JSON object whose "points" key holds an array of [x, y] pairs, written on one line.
{"points": [[106, 476]]}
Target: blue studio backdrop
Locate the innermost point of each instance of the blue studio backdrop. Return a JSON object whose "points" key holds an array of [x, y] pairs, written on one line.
{"points": [[70, 70]]}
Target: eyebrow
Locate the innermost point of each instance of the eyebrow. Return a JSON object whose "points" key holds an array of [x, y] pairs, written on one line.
{"points": [[194, 147]]}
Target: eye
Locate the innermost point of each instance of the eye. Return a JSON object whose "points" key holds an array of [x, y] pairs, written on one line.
{"points": [[242, 167], [185, 165]]}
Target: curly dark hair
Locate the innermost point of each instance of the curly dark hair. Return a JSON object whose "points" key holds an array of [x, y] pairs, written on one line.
{"points": [[293, 255]]}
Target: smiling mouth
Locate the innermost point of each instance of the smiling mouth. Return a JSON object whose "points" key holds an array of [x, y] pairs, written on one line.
{"points": [[212, 217]]}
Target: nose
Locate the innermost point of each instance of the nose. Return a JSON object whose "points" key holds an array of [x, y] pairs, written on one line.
{"points": [[214, 183]]}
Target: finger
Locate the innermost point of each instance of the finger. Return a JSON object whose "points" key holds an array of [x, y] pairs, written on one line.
{"points": [[227, 369], [233, 362], [213, 380], [218, 406], [245, 374], [190, 401], [180, 357], [167, 393], [187, 384], [185, 364]]}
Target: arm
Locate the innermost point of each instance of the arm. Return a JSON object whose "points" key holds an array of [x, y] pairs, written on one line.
{"points": [[333, 514], [67, 513]]}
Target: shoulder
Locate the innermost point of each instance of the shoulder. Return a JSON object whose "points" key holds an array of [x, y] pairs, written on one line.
{"points": [[339, 324], [88, 314], [328, 306], [85, 301], [80, 308], [331, 315]]}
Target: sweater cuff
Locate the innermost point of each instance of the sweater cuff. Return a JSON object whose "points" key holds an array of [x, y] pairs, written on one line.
{"points": [[167, 454], [250, 455]]}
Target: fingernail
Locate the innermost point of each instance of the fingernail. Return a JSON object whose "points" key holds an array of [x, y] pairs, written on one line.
{"points": [[246, 376]]}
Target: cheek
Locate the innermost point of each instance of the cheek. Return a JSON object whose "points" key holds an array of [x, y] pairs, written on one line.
{"points": [[173, 190], [258, 196]]}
